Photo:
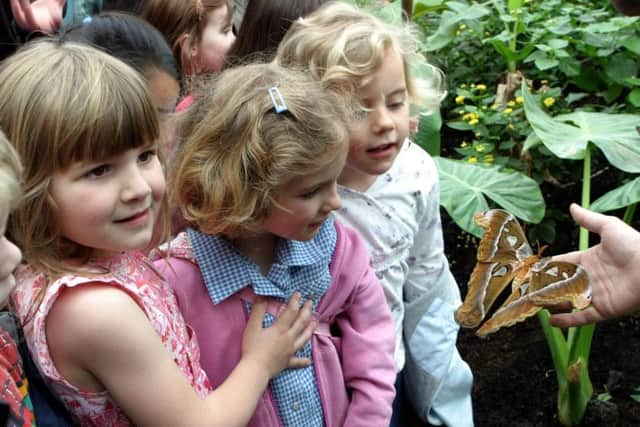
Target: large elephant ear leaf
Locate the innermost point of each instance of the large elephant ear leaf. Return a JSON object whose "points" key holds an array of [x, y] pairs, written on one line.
{"points": [[567, 135], [621, 197], [614, 134], [464, 189]]}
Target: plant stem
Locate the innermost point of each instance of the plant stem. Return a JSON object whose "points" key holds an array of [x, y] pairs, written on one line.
{"points": [[629, 212]]}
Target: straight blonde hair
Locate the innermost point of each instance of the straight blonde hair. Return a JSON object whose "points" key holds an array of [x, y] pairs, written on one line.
{"points": [[63, 102], [239, 151]]}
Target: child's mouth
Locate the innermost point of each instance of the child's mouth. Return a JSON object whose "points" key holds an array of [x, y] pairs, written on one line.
{"points": [[380, 148]]}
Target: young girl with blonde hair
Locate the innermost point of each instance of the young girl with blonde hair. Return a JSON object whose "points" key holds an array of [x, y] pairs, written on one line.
{"points": [[256, 179], [390, 194], [102, 325]]}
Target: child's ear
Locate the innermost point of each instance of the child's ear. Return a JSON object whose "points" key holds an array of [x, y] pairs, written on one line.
{"points": [[184, 41]]}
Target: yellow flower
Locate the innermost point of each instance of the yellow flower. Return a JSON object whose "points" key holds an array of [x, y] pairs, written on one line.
{"points": [[464, 144], [544, 82], [511, 103], [508, 110], [458, 33], [549, 101], [511, 126], [494, 106], [459, 99], [473, 85], [479, 148], [488, 158], [473, 160], [462, 26], [478, 134], [481, 87], [519, 99], [463, 85], [474, 121]]}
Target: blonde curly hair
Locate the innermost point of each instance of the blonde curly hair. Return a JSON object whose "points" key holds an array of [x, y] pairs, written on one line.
{"points": [[344, 46]]}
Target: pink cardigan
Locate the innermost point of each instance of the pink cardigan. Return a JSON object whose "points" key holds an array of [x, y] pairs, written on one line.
{"points": [[355, 371]]}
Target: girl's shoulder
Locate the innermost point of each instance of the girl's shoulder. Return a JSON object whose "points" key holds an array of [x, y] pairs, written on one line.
{"points": [[133, 272], [414, 162]]}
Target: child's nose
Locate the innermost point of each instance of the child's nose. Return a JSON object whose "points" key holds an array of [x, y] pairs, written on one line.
{"points": [[333, 202], [135, 185], [383, 121]]}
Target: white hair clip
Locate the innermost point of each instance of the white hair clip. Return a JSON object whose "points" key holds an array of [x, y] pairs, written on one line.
{"points": [[277, 99]]}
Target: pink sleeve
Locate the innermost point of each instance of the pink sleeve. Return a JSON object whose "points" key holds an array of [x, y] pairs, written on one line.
{"points": [[368, 340]]}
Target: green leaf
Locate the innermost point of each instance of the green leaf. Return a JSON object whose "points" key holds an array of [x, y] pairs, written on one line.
{"points": [[636, 394], [557, 43], [531, 141], [428, 136], [570, 66], [390, 13], [633, 44], [620, 68], [614, 134], [634, 97], [464, 189], [503, 49], [449, 23], [545, 62], [619, 198], [567, 135]]}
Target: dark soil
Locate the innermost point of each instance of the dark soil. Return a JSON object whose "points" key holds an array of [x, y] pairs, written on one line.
{"points": [[515, 382]]}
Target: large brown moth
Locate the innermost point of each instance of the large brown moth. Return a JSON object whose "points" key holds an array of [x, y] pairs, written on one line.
{"points": [[504, 256]]}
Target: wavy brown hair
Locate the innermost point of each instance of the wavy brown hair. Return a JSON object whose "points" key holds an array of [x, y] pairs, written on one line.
{"points": [[239, 152], [182, 23]]}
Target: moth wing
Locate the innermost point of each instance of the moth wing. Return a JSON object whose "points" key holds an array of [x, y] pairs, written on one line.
{"points": [[503, 239], [517, 311], [487, 281], [553, 282]]}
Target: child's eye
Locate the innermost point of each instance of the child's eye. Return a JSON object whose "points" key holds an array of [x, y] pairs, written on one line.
{"points": [[98, 171], [396, 104], [309, 194], [146, 156]]}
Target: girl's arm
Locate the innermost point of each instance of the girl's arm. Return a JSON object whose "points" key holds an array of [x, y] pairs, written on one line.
{"points": [[100, 338]]}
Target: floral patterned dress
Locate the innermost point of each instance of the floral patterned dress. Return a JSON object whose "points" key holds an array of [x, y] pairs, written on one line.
{"points": [[133, 273]]}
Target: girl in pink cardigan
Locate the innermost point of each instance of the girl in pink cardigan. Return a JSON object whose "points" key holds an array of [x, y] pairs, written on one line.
{"points": [[256, 179]]}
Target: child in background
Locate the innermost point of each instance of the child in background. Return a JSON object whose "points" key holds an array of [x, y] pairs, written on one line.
{"points": [[199, 32], [13, 392], [140, 45], [264, 24], [390, 195], [256, 177], [102, 325]]}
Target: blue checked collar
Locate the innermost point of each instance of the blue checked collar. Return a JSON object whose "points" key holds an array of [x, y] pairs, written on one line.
{"points": [[298, 266]]}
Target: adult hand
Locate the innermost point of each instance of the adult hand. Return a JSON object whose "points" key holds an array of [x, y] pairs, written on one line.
{"points": [[41, 15], [613, 266]]}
